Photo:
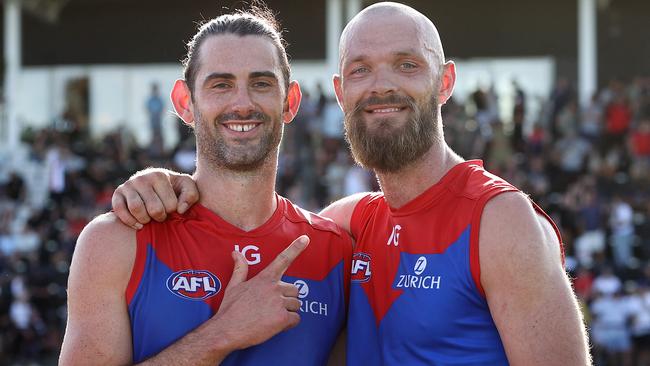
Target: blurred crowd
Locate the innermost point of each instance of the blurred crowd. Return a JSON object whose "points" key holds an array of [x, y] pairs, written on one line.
{"points": [[589, 168]]}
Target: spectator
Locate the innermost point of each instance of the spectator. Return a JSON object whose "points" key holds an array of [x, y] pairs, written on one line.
{"points": [[607, 283], [622, 226], [610, 333]]}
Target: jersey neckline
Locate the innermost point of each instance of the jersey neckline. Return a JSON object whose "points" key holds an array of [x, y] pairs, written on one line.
{"points": [[431, 194], [222, 225]]}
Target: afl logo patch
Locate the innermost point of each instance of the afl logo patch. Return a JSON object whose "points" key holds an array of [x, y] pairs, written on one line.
{"points": [[193, 284], [361, 267]]}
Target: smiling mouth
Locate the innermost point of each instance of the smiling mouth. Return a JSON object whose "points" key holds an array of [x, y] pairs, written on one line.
{"points": [[380, 110], [240, 127]]}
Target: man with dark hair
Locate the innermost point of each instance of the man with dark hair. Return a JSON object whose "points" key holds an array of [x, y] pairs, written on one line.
{"points": [[452, 265], [218, 283]]}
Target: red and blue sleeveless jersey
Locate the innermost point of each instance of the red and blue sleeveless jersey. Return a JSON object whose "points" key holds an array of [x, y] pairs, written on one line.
{"points": [[415, 295], [184, 264]]}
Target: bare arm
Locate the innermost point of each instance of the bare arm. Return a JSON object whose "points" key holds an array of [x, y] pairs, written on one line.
{"points": [[98, 329], [341, 211], [154, 192], [527, 289]]}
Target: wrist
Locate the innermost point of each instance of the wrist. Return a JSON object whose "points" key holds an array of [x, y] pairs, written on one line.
{"points": [[224, 340]]}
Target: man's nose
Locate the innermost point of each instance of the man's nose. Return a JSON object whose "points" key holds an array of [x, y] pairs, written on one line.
{"points": [[384, 82], [242, 102]]}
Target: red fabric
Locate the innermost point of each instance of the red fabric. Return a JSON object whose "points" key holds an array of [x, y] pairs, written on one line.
{"points": [[641, 143], [618, 118], [208, 240]]}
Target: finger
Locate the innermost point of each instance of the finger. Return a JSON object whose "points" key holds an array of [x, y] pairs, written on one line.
{"points": [[136, 206], [165, 192], [292, 304], [288, 289], [284, 259], [122, 212], [240, 271], [153, 204], [188, 192], [292, 319]]}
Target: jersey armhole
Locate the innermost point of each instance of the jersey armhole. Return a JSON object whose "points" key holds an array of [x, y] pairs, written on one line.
{"points": [[143, 237], [347, 266], [555, 228], [474, 260], [357, 215]]}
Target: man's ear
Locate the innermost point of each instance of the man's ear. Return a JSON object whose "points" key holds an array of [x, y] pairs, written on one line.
{"points": [[182, 101], [336, 80], [294, 96], [447, 82]]}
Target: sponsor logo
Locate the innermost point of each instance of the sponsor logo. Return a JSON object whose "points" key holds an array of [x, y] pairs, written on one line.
{"points": [[254, 258], [306, 305], [361, 267], [417, 279], [193, 284], [394, 236], [303, 289], [420, 265]]}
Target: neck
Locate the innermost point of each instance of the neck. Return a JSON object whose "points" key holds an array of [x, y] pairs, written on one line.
{"points": [[411, 181], [244, 199]]}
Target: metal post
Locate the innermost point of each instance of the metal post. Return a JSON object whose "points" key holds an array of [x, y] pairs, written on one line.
{"points": [[587, 51], [12, 37], [334, 26]]}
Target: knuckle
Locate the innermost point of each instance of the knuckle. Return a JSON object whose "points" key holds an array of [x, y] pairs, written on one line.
{"points": [[118, 204], [283, 258], [156, 210], [136, 208], [192, 194]]}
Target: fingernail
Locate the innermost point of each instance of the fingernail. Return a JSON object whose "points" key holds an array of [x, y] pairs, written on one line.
{"points": [[182, 207], [137, 226], [303, 240]]}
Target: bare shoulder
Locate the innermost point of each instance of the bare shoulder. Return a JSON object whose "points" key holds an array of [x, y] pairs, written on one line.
{"points": [[341, 211], [98, 330], [105, 249], [512, 231]]}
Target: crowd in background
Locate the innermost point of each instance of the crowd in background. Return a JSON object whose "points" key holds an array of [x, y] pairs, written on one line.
{"points": [[589, 168]]}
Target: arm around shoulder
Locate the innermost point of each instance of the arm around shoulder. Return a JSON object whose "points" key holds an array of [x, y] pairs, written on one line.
{"points": [[98, 329], [341, 211], [528, 292]]}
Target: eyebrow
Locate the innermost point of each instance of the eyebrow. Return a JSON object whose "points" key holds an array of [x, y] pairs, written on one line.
{"points": [[263, 74], [408, 52], [230, 76]]}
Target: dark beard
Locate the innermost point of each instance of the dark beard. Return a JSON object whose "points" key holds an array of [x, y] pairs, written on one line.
{"points": [[386, 148], [213, 149]]}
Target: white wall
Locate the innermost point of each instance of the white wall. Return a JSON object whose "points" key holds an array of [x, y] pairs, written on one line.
{"points": [[118, 92]]}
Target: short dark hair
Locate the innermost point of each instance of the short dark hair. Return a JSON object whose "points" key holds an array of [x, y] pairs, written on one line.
{"points": [[259, 20]]}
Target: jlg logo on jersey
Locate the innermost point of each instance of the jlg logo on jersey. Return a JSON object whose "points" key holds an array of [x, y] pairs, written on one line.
{"points": [[361, 267], [253, 258], [193, 284]]}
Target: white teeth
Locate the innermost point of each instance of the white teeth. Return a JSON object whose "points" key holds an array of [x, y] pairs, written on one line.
{"points": [[240, 128], [385, 110]]}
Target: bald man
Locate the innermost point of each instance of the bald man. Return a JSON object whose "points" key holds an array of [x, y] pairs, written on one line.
{"points": [[452, 265]]}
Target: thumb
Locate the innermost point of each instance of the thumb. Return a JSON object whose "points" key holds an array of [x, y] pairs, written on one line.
{"points": [[240, 272]]}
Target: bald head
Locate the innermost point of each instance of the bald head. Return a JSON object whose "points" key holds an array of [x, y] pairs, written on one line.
{"points": [[380, 20]]}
